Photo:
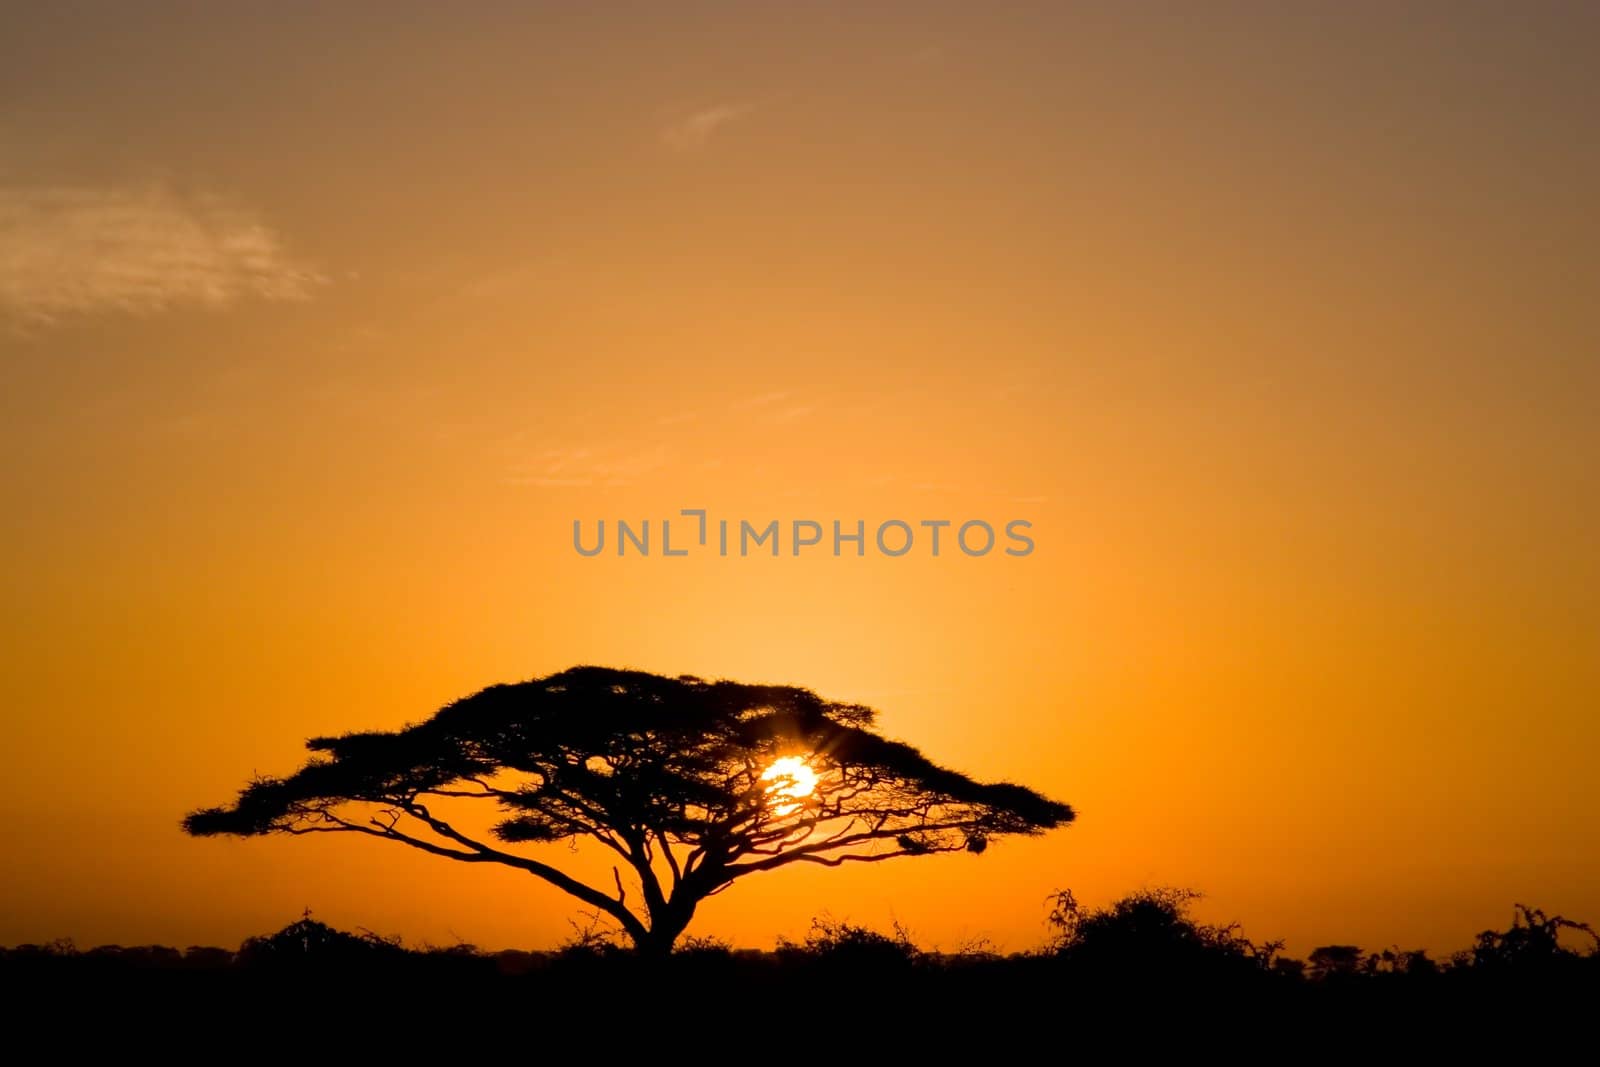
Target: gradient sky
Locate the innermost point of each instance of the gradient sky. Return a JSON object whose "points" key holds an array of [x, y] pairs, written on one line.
{"points": [[321, 323]]}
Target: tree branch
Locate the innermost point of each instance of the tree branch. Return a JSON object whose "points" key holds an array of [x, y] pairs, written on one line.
{"points": [[481, 853], [814, 853]]}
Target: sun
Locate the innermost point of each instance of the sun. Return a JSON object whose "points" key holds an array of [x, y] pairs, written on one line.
{"points": [[790, 780]]}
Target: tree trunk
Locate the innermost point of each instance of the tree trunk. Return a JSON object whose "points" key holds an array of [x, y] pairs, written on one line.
{"points": [[654, 946], [665, 929]]}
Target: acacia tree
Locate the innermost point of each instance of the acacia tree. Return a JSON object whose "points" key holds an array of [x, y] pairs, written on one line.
{"points": [[692, 784]]}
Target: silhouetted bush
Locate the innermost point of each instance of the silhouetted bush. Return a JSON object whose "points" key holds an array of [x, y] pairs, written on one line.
{"points": [[1533, 946], [1150, 936], [309, 945], [843, 945]]}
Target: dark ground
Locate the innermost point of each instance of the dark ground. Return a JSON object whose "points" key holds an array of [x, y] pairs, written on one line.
{"points": [[1140, 968]]}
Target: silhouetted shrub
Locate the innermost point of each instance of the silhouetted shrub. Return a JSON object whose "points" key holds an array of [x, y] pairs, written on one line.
{"points": [[311, 945], [1150, 935], [1532, 949], [1332, 963], [846, 944]]}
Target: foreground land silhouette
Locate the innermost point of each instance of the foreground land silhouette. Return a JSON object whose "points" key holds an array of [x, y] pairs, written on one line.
{"points": [[1145, 948]]}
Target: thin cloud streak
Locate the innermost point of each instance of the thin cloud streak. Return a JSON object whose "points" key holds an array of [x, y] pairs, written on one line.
{"points": [[558, 468], [695, 130], [75, 250]]}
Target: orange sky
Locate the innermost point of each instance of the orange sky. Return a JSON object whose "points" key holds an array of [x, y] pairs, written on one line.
{"points": [[1277, 321]]}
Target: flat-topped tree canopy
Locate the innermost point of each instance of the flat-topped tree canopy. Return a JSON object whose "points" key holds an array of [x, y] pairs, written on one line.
{"points": [[692, 783]]}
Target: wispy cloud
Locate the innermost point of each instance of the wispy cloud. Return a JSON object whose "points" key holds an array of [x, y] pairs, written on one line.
{"points": [[75, 250], [779, 406], [693, 130], [570, 468], [760, 400]]}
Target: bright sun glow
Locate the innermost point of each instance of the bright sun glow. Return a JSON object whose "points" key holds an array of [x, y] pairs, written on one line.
{"points": [[791, 779]]}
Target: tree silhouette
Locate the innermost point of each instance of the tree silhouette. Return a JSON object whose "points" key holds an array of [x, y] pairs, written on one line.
{"points": [[692, 784], [1334, 962]]}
